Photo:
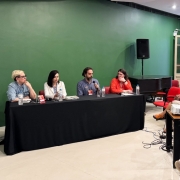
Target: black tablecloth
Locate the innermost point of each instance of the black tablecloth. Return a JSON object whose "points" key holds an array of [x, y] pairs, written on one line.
{"points": [[35, 126]]}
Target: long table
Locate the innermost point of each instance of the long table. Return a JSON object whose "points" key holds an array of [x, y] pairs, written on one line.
{"points": [[35, 126]]}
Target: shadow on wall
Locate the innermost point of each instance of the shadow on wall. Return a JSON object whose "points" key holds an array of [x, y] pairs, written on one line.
{"points": [[126, 60], [119, 63], [129, 64]]}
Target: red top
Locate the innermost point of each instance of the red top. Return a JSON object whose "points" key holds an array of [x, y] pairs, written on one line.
{"points": [[116, 88]]}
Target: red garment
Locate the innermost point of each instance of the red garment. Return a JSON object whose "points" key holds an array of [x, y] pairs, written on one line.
{"points": [[115, 87]]}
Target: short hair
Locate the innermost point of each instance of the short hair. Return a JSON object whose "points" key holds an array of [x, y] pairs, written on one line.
{"points": [[16, 73], [124, 72], [86, 70], [51, 76]]}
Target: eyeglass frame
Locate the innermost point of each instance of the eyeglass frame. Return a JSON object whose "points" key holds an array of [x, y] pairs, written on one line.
{"points": [[25, 76]]}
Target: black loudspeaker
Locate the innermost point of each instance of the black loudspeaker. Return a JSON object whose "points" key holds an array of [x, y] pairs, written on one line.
{"points": [[142, 46]]}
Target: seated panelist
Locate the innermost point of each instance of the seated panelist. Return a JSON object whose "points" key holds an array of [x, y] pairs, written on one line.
{"points": [[20, 86], [121, 83], [53, 85], [89, 85]]}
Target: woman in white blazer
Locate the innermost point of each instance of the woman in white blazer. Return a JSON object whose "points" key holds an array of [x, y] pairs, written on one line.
{"points": [[53, 85]]}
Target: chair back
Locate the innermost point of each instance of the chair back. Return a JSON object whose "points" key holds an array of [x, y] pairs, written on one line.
{"points": [[175, 83], [41, 92], [107, 90], [173, 91]]}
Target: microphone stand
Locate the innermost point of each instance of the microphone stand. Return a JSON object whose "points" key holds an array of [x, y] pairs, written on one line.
{"points": [[142, 68]]}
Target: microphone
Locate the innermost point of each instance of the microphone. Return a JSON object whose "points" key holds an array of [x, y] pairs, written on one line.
{"points": [[96, 85]]}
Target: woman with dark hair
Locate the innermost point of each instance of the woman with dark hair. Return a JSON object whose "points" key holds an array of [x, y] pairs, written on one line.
{"points": [[53, 85], [121, 83]]}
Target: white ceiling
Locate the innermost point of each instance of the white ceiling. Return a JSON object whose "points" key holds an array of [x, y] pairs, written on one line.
{"points": [[163, 5]]}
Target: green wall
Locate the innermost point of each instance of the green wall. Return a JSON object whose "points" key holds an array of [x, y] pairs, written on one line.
{"points": [[39, 36]]}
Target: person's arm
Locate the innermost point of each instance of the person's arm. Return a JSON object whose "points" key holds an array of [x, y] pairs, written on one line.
{"points": [[27, 97], [11, 94], [15, 100], [64, 89], [79, 90], [32, 93], [46, 92], [127, 85], [113, 87]]}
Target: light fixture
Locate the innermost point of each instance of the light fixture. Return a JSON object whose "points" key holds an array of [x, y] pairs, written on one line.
{"points": [[175, 32], [174, 6]]}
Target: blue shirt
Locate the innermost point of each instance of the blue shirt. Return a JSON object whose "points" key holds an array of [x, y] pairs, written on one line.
{"points": [[14, 89], [83, 86]]}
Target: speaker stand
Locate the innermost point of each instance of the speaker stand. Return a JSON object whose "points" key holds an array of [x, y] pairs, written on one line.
{"points": [[142, 68]]}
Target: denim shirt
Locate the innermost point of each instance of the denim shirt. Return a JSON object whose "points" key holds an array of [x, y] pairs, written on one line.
{"points": [[14, 89], [83, 86]]}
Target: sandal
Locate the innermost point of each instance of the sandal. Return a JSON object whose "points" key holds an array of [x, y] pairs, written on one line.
{"points": [[158, 116]]}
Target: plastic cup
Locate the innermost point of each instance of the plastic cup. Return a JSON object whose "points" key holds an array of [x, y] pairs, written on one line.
{"points": [[20, 101]]}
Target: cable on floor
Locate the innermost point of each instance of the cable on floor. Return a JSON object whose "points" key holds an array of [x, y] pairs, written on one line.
{"points": [[157, 140]]}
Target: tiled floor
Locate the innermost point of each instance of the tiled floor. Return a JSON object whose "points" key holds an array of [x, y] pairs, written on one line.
{"points": [[111, 158]]}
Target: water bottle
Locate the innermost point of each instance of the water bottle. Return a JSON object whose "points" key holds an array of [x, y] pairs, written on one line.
{"points": [[99, 93], [20, 101], [103, 92], [137, 89], [60, 95]]}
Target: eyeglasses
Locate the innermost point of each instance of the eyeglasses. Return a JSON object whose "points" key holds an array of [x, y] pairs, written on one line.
{"points": [[22, 76]]}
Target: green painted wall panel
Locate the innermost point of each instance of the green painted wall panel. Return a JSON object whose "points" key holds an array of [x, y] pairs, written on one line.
{"points": [[39, 36]]}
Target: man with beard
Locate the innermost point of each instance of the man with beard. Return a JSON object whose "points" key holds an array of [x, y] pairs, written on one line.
{"points": [[89, 85]]}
